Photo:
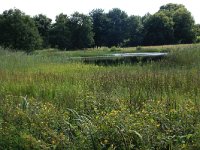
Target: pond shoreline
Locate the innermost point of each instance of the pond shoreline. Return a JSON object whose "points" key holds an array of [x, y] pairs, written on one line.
{"points": [[121, 58]]}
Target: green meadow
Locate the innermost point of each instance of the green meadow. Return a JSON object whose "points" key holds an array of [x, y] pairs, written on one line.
{"points": [[48, 101]]}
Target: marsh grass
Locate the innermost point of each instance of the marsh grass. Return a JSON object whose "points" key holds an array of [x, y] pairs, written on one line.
{"points": [[50, 102]]}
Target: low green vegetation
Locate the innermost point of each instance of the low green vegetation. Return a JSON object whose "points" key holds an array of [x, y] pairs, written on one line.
{"points": [[50, 102], [103, 51]]}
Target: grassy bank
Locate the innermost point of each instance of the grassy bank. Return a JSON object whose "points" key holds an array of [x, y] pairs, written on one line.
{"points": [[105, 51], [49, 102]]}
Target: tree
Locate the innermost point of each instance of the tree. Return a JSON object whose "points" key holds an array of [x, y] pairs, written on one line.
{"points": [[135, 28], [18, 31], [81, 28], [99, 20], [145, 18], [197, 29], [170, 8], [183, 22], [60, 34], [197, 32], [43, 24], [158, 30], [116, 27], [183, 26]]}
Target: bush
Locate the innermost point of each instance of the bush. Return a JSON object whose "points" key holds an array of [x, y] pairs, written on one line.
{"points": [[114, 49], [138, 48]]}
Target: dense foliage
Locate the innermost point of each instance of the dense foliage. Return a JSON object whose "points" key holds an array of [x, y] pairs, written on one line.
{"points": [[60, 33], [48, 102], [172, 24], [18, 31], [81, 31], [44, 25], [159, 30]]}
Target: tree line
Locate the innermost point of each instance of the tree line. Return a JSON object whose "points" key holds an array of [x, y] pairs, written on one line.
{"points": [[172, 24]]}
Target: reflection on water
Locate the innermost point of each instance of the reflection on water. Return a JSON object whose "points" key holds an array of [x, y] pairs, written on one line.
{"points": [[121, 58], [138, 54]]}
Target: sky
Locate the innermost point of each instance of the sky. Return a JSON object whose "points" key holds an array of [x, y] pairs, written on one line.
{"points": [[51, 8]]}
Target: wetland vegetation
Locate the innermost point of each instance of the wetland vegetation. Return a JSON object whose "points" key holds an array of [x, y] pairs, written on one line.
{"points": [[50, 102]]}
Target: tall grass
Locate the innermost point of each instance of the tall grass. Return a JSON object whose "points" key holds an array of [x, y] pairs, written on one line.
{"points": [[49, 102]]}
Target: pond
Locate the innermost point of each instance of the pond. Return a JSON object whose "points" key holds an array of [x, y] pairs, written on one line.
{"points": [[122, 58], [138, 54]]}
